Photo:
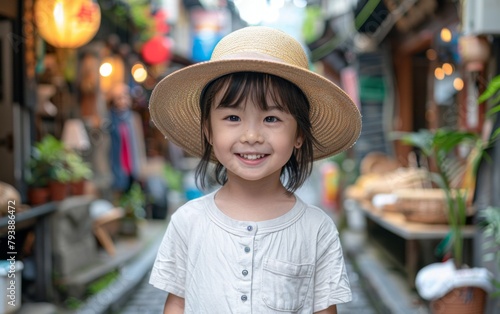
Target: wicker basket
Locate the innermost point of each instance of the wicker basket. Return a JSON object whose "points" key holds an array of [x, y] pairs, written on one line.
{"points": [[379, 163], [402, 178], [463, 300], [424, 205]]}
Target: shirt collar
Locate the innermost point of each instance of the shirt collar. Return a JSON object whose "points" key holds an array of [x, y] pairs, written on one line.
{"points": [[248, 228]]}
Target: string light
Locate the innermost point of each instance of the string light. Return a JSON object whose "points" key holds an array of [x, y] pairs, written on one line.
{"points": [[139, 73], [447, 68], [431, 54], [439, 73], [458, 84], [446, 35], [106, 69]]}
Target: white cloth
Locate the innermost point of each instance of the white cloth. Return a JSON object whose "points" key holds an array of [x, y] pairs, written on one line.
{"points": [[291, 264], [437, 279]]}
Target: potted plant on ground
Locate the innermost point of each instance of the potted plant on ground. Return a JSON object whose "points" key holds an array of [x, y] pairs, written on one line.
{"points": [[133, 203], [440, 147]]}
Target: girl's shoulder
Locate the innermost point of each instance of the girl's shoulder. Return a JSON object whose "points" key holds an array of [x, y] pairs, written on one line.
{"points": [[192, 210], [317, 216]]}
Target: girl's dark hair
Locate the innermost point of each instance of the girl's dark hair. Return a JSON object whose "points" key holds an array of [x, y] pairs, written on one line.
{"points": [[287, 96]]}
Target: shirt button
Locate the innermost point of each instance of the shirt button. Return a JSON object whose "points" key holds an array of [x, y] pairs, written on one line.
{"points": [[249, 228], [244, 298], [245, 272], [247, 249]]}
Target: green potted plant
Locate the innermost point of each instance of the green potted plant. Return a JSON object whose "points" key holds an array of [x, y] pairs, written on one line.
{"points": [[441, 148], [59, 174], [80, 171], [133, 203], [48, 168], [38, 177]]}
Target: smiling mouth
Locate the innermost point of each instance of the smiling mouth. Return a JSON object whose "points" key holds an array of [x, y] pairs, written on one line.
{"points": [[252, 156]]}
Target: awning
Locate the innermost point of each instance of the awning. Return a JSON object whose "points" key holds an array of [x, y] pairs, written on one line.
{"points": [[372, 19], [376, 18]]}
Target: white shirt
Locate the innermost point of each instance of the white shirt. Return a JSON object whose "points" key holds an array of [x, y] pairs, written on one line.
{"points": [[290, 264]]}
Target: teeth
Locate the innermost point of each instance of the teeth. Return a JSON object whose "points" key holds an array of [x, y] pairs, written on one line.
{"points": [[251, 157]]}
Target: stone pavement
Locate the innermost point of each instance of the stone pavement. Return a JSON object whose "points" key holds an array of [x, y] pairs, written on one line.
{"points": [[149, 300]]}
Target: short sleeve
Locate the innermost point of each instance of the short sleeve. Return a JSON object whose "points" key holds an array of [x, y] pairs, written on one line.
{"points": [[169, 269], [331, 281]]}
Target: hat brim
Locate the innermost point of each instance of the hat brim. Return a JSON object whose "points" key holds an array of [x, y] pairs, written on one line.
{"points": [[175, 110]]}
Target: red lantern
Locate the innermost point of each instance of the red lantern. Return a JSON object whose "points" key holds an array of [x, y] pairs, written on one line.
{"points": [[157, 50]]}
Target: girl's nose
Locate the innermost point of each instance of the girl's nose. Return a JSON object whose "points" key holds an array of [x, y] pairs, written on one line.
{"points": [[251, 136]]}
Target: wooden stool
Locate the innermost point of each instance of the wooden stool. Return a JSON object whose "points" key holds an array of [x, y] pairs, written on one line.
{"points": [[102, 233]]}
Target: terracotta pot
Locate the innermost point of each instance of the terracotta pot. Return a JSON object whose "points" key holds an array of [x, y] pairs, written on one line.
{"points": [[463, 300], [58, 190], [77, 188], [38, 195]]}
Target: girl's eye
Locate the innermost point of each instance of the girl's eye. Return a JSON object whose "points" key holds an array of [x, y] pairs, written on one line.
{"points": [[271, 119], [233, 118]]}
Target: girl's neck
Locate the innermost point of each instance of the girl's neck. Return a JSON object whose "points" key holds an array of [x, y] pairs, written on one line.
{"points": [[254, 201]]}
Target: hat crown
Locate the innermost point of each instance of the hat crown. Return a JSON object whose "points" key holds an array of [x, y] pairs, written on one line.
{"points": [[260, 42]]}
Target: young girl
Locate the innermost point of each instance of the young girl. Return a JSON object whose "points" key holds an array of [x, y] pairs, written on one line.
{"points": [[253, 246]]}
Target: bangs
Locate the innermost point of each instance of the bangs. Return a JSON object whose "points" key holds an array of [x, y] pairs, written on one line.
{"points": [[260, 88]]}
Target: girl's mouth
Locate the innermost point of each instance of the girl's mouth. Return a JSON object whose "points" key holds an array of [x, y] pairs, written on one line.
{"points": [[252, 156]]}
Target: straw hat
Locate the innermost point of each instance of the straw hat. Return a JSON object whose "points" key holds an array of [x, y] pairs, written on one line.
{"points": [[174, 103]]}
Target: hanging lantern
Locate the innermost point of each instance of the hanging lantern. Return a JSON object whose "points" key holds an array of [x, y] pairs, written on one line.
{"points": [[157, 50], [67, 23], [474, 52]]}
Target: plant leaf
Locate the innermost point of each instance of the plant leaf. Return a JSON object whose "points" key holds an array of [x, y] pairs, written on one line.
{"points": [[492, 89]]}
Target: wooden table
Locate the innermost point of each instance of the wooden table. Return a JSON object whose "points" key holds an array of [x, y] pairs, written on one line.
{"points": [[411, 232]]}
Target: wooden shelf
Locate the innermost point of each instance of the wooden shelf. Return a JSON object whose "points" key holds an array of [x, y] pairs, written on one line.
{"points": [[412, 233]]}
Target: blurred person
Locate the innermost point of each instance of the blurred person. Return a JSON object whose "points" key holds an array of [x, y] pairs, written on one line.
{"points": [[127, 152], [253, 246]]}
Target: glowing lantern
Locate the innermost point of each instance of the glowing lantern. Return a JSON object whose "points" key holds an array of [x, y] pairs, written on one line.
{"points": [[139, 72], [67, 23], [157, 50]]}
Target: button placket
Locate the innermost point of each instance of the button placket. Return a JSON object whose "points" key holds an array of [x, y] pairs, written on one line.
{"points": [[246, 257], [246, 264]]}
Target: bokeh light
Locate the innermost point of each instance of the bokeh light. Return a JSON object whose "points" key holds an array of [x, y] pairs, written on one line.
{"points": [[106, 69]]}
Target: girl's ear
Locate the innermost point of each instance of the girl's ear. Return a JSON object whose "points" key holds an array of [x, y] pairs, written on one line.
{"points": [[299, 141]]}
